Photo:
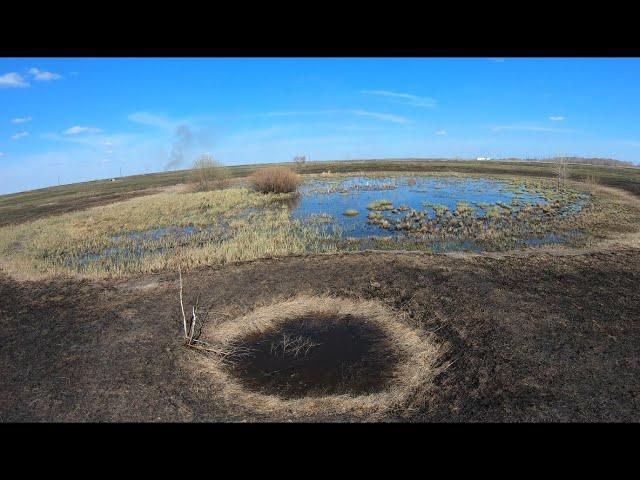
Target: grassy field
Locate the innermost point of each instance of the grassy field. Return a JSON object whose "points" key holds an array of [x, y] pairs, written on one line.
{"points": [[20, 207], [163, 229], [550, 335], [155, 232]]}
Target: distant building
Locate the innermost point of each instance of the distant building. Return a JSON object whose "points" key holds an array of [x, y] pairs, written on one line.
{"points": [[483, 158]]}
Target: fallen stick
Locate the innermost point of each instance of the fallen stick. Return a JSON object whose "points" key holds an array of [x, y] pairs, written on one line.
{"points": [[193, 324], [184, 317]]}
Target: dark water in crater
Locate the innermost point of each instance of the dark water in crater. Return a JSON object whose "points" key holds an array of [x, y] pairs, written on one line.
{"points": [[313, 356]]}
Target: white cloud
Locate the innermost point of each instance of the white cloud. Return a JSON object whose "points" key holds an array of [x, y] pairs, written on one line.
{"points": [[295, 113], [151, 119], [410, 99], [557, 118], [19, 135], [1, 154], [98, 141], [529, 128], [387, 117], [441, 132], [78, 130], [12, 80], [41, 76], [21, 120], [496, 60]]}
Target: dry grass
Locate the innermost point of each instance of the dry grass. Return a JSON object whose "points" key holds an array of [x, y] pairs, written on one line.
{"points": [[275, 180], [412, 380], [118, 239], [234, 224]]}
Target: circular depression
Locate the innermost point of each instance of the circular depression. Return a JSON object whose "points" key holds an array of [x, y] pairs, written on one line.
{"points": [[321, 355], [317, 355]]}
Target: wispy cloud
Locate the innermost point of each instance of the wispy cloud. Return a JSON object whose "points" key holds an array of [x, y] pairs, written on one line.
{"points": [[441, 132], [387, 117], [557, 118], [409, 99], [263, 133], [295, 113], [42, 76], [78, 130], [496, 60], [21, 120], [529, 128], [97, 141], [153, 120], [19, 135], [1, 154], [12, 80]]}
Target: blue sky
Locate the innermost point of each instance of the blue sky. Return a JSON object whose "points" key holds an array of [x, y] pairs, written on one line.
{"points": [[79, 119]]}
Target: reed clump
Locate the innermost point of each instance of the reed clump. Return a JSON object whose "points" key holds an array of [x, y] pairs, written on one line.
{"points": [[275, 180]]}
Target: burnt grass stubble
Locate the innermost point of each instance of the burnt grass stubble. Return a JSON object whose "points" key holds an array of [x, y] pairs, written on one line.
{"points": [[533, 338]]}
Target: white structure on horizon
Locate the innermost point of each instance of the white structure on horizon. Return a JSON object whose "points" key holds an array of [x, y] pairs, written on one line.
{"points": [[483, 158]]}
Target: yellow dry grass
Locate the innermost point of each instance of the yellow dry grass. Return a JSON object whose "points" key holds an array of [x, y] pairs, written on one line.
{"points": [[412, 381], [97, 243]]}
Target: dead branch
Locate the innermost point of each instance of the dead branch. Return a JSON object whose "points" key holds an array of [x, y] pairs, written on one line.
{"points": [[225, 354], [184, 317], [193, 324]]}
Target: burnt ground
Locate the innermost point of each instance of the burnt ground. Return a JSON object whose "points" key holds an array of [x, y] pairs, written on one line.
{"points": [[535, 338]]}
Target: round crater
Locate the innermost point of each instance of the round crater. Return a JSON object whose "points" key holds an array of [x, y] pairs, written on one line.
{"points": [[317, 355], [321, 356]]}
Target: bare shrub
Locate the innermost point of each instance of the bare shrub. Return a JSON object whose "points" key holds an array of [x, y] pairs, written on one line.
{"points": [[275, 180], [591, 179], [208, 174], [300, 161], [561, 170]]}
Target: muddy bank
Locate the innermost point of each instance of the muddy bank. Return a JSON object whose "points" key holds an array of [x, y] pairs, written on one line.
{"points": [[535, 338]]}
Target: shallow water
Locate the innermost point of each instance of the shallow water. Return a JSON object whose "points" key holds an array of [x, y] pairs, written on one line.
{"points": [[136, 245], [159, 233], [322, 205], [358, 192], [317, 356], [329, 200]]}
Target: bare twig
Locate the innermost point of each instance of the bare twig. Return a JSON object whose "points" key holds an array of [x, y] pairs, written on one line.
{"points": [[184, 317], [225, 354], [193, 325]]}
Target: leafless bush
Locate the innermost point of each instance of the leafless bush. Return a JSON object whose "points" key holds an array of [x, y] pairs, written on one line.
{"points": [[561, 170], [275, 179], [224, 354], [293, 345], [207, 174], [300, 161], [591, 179]]}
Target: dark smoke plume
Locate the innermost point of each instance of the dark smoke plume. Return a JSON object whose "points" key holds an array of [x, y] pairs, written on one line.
{"points": [[184, 139]]}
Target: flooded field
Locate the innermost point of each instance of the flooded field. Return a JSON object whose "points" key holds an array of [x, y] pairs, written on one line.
{"points": [[326, 214], [440, 213]]}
